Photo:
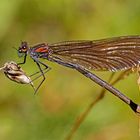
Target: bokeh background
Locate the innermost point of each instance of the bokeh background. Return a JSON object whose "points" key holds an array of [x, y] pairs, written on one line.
{"points": [[50, 114]]}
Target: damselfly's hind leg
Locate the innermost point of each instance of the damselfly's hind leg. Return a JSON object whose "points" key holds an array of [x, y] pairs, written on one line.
{"points": [[41, 71], [42, 74], [45, 70]]}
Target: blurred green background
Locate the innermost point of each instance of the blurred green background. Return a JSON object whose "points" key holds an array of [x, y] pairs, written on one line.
{"points": [[65, 94]]}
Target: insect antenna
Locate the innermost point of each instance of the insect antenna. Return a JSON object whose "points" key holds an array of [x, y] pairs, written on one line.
{"points": [[15, 48]]}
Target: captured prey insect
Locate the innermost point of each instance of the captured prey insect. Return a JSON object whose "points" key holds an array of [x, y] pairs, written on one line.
{"points": [[16, 74], [113, 54]]}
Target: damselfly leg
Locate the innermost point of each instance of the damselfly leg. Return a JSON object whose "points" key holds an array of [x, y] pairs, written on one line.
{"points": [[24, 61], [41, 71], [44, 71]]}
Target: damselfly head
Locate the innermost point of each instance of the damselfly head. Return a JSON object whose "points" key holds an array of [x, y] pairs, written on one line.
{"points": [[23, 49]]}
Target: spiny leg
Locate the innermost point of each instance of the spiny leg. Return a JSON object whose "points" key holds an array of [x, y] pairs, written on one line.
{"points": [[42, 74], [83, 115], [46, 67], [37, 72], [44, 71], [41, 71]]}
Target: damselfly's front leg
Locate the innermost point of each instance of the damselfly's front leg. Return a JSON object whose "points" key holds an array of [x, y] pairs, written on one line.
{"points": [[25, 56]]}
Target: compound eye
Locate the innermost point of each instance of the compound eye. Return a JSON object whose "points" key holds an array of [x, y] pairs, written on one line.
{"points": [[24, 47]]}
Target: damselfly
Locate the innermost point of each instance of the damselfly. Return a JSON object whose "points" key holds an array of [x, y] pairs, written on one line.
{"points": [[113, 54]]}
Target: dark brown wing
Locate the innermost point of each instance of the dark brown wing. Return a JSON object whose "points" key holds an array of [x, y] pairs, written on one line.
{"points": [[112, 54]]}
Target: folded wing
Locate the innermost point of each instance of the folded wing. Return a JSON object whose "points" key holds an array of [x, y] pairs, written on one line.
{"points": [[112, 54]]}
